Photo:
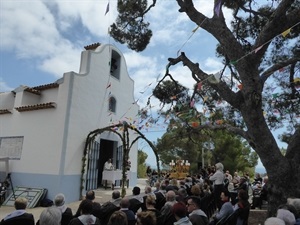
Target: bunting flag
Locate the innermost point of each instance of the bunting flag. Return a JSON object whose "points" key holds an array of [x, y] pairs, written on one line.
{"points": [[199, 86], [296, 80], [257, 49], [192, 103], [215, 78], [107, 9], [218, 8], [286, 32], [194, 30]]}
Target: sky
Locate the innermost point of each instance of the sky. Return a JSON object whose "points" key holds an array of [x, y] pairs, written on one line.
{"points": [[41, 40]]}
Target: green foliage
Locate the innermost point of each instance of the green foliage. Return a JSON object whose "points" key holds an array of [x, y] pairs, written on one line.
{"points": [[130, 27], [141, 170], [235, 154], [182, 142]]}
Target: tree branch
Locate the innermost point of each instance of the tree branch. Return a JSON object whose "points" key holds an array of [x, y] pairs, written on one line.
{"points": [[278, 22], [234, 99], [266, 74]]}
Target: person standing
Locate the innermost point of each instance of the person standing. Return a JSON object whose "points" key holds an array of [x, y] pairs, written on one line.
{"points": [[218, 179], [108, 165]]}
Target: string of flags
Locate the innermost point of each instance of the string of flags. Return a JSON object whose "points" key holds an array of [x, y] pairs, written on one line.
{"points": [[143, 121]]}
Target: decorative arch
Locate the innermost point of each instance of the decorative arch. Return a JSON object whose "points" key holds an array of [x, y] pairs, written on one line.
{"points": [[124, 136]]}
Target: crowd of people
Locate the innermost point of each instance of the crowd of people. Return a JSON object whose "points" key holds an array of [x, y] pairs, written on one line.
{"points": [[212, 197]]}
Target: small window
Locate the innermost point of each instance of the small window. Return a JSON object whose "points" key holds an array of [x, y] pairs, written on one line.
{"points": [[115, 65], [112, 104]]}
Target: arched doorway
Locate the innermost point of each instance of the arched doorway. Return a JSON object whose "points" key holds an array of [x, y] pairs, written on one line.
{"points": [[92, 165]]}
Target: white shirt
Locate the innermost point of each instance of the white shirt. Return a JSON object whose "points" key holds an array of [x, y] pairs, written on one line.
{"points": [[218, 177], [108, 166]]}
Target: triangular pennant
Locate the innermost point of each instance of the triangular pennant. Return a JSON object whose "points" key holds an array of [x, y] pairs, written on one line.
{"points": [[194, 30], [218, 8], [285, 33], [215, 78], [257, 49], [199, 86], [107, 9]]}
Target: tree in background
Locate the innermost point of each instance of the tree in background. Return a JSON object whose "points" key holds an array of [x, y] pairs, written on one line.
{"points": [[260, 51], [218, 146], [141, 170]]}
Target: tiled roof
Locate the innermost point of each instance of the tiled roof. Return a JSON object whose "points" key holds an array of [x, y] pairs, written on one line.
{"points": [[92, 46], [4, 111], [36, 107], [33, 91], [46, 86], [37, 90]]}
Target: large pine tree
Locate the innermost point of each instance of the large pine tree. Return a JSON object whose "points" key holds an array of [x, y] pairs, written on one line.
{"points": [[263, 38]]}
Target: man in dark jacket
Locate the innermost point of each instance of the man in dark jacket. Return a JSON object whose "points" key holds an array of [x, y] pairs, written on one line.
{"points": [[196, 215], [90, 195], [19, 216]]}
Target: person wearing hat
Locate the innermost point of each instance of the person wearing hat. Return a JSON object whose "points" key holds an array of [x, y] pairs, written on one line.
{"points": [[66, 212]]}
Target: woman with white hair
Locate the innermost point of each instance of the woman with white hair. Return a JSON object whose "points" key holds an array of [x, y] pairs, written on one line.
{"points": [[67, 215], [274, 221], [50, 216], [218, 180]]}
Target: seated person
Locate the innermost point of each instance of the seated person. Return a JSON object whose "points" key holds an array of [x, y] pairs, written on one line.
{"points": [[136, 199], [118, 217], [179, 211], [287, 216], [50, 216], [19, 216], [67, 215], [66, 212], [90, 195], [116, 198], [86, 217], [196, 215], [226, 208], [146, 218], [242, 207], [274, 221], [130, 216]]}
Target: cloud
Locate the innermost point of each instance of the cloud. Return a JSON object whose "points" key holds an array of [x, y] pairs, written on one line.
{"points": [[3, 86], [90, 13]]}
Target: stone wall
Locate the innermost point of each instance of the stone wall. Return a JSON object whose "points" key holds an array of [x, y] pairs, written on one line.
{"points": [[257, 217]]}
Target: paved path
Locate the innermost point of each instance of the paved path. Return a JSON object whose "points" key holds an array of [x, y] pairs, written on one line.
{"points": [[102, 196]]}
